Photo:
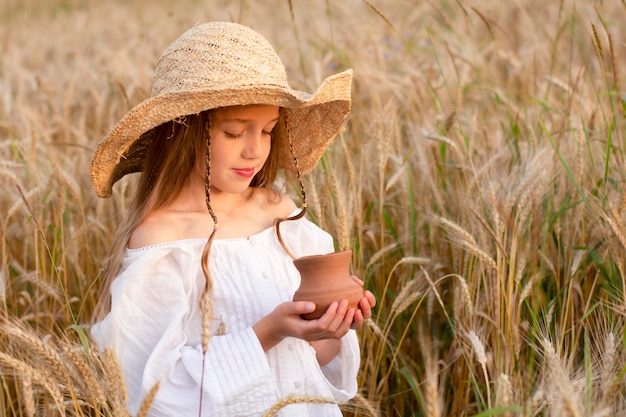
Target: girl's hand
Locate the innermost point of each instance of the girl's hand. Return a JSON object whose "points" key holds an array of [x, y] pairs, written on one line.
{"points": [[365, 306], [334, 323], [332, 326], [285, 321]]}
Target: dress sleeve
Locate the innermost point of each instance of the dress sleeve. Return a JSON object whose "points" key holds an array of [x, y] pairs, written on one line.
{"points": [[341, 372], [150, 304]]}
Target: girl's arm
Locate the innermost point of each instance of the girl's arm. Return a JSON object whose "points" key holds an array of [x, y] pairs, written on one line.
{"points": [[327, 349]]}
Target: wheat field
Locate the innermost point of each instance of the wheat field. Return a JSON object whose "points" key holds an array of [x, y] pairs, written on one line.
{"points": [[480, 182]]}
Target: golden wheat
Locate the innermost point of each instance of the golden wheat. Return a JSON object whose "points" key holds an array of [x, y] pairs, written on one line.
{"points": [[481, 356], [115, 383], [363, 407], [506, 120], [504, 393], [27, 395], [562, 384], [38, 352], [23, 370], [431, 394], [87, 376], [467, 241], [296, 400], [147, 402]]}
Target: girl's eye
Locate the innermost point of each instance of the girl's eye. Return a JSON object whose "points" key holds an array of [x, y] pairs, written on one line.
{"points": [[232, 135], [268, 133]]}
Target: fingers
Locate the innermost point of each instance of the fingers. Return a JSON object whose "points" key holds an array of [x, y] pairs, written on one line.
{"points": [[297, 308], [370, 298], [358, 280], [336, 317], [366, 304], [304, 307], [334, 324], [357, 323], [286, 319], [365, 308], [368, 294]]}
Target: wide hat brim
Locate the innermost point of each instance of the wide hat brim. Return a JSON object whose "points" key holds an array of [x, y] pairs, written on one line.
{"points": [[313, 121]]}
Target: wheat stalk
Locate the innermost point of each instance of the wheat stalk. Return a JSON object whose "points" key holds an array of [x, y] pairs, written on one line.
{"points": [[115, 383], [147, 402], [465, 295], [87, 376], [22, 202], [407, 295], [504, 393], [360, 403], [3, 288], [296, 400], [526, 290], [481, 357], [536, 402], [72, 186], [50, 290], [378, 255], [395, 178], [9, 176], [560, 379], [609, 384], [605, 412], [27, 395], [495, 213], [467, 241], [25, 370], [617, 225], [39, 351], [432, 399]]}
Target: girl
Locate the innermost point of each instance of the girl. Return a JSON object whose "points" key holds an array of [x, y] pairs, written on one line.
{"points": [[197, 293]]}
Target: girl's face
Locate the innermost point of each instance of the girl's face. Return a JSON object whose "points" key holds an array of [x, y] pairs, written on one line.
{"points": [[240, 144]]}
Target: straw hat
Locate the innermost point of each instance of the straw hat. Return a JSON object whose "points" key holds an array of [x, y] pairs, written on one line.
{"points": [[215, 65]]}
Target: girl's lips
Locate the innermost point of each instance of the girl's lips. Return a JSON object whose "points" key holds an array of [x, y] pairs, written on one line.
{"points": [[244, 172]]}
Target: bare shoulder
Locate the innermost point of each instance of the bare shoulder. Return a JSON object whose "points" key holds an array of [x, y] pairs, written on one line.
{"points": [[158, 227], [274, 203]]}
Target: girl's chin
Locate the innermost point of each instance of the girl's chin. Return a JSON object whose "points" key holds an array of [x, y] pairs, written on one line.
{"points": [[240, 189]]}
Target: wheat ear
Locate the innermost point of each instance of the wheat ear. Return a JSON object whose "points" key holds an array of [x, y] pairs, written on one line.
{"points": [[296, 400]]}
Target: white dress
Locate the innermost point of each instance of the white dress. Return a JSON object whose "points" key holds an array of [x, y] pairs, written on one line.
{"points": [[155, 329]]}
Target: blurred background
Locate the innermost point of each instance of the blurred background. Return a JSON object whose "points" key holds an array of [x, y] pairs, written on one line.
{"points": [[479, 182]]}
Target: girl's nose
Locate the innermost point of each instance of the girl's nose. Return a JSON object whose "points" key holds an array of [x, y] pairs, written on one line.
{"points": [[255, 145]]}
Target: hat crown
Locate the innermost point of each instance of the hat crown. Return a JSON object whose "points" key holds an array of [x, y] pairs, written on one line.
{"points": [[217, 55]]}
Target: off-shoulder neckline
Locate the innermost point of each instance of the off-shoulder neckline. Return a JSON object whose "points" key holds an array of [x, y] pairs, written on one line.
{"points": [[195, 240]]}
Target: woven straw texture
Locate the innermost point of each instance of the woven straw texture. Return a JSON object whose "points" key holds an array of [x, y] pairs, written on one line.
{"points": [[215, 65]]}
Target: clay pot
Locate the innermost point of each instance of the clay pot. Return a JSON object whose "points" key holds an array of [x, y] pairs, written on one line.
{"points": [[324, 279]]}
